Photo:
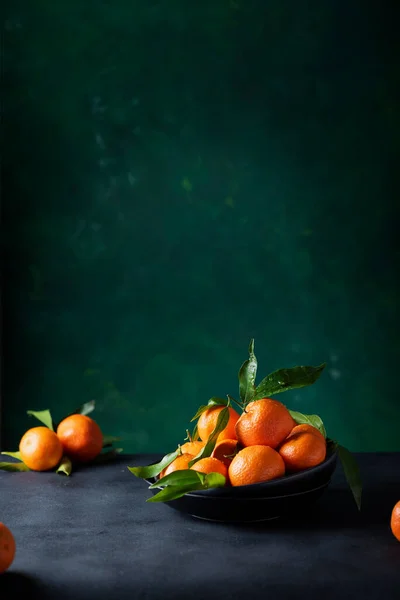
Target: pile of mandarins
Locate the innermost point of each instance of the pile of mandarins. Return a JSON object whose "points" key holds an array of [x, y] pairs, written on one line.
{"points": [[78, 436], [261, 444]]}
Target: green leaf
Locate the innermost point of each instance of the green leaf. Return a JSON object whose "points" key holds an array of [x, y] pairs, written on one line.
{"points": [[17, 466], [214, 480], [200, 411], [195, 434], [183, 483], [154, 470], [220, 425], [317, 422], [13, 454], [172, 493], [86, 408], [287, 379], [108, 440], [106, 456], [247, 376], [65, 466], [352, 473], [214, 401], [44, 416], [179, 478], [313, 420], [83, 409]]}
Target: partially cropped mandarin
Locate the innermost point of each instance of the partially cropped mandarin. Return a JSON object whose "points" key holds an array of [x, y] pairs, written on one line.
{"points": [[180, 463], [302, 451], [305, 428], [192, 447], [7, 548], [40, 449], [81, 438], [210, 465], [395, 521], [224, 451], [266, 422], [208, 420], [255, 464]]}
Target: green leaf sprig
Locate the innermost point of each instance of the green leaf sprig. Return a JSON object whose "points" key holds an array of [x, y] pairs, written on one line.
{"points": [[279, 381], [177, 484]]}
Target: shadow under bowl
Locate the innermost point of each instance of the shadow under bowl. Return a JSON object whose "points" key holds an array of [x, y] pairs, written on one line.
{"points": [[260, 501]]}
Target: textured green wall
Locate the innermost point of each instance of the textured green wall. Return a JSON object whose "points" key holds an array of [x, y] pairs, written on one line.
{"points": [[181, 176]]}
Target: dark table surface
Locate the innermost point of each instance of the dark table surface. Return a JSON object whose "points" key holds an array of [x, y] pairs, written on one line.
{"points": [[92, 535]]}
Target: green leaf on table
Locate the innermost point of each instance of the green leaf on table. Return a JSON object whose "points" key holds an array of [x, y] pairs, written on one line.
{"points": [[313, 420], [13, 454], [106, 456], [179, 483], [351, 472], [220, 425], [247, 376], [108, 440], [65, 466], [214, 401], [154, 470], [287, 379], [14, 466], [44, 416]]}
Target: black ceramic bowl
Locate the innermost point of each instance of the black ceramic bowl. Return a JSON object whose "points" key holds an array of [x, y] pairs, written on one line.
{"points": [[260, 501]]}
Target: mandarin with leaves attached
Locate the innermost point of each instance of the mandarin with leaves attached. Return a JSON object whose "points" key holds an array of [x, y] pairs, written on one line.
{"points": [[81, 437], [208, 420], [265, 422], [40, 449]]}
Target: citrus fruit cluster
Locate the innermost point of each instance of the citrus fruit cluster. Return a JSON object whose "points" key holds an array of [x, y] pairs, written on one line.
{"points": [[260, 444], [78, 436]]}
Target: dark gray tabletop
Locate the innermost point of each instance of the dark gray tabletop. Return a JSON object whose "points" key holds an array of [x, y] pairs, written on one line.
{"points": [[93, 536]]}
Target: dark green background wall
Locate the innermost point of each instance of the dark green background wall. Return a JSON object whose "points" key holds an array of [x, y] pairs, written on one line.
{"points": [[181, 176]]}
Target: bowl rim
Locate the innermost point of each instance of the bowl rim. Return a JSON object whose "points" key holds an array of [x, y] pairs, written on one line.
{"points": [[247, 490], [259, 498]]}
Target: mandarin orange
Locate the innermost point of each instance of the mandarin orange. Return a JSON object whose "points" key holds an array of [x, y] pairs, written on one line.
{"points": [[81, 438], [40, 449], [210, 465], [7, 548], [395, 521], [265, 422], [302, 451], [255, 464]]}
